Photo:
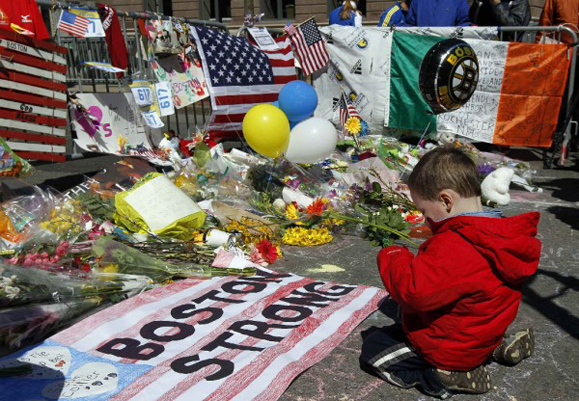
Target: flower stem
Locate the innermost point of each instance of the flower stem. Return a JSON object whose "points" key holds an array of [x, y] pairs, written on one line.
{"points": [[385, 228]]}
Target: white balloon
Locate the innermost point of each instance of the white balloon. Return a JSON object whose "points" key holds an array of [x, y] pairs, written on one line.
{"points": [[311, 141]]}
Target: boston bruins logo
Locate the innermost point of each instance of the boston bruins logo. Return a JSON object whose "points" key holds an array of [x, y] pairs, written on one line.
{"points": [[448, 75]]}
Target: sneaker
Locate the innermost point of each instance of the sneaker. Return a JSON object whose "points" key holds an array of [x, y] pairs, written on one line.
{"points": [[476, 381], [515, 347]]}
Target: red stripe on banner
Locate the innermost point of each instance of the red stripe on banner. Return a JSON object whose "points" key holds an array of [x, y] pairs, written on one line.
{"points": [[49, 157], [27, 136], [242, 378], [28, 41], [32, 99], [31, 80], [160, 369], [32, 61], [245, 99], [315, 355], [33, 118]]}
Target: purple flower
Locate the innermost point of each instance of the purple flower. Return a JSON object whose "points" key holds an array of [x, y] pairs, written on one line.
{"points": [[485, 169]]}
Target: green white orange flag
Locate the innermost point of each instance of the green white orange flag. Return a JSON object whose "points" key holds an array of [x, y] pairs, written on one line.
{"points": [[517, 100]]}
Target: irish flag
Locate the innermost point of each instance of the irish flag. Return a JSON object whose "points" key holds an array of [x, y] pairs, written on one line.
{"points": [[517, 100]]}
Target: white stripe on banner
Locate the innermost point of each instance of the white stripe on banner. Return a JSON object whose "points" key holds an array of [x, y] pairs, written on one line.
{"points": [[43, 129], [33, 90], [299, 349], [31, 51], [52, 75], [110, 329], [35, 147], [244, 90], [478, 117], [8, 104]]}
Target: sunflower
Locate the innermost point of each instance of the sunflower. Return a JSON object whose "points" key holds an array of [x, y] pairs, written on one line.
{"points": [[291, 212], [353, 125]]}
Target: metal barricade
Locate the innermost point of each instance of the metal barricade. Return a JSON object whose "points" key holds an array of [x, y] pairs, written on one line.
{"points": [[558, 152], [90, 80]]}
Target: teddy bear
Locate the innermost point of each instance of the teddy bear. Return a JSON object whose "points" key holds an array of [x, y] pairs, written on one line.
{"points": [[495, 186]]}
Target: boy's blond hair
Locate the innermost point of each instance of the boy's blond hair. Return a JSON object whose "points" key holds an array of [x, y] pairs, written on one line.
{"points": [[445, 168]]}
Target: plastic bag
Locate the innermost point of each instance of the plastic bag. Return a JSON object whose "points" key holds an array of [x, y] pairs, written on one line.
{"points": [[156, 205], [12, 165]]}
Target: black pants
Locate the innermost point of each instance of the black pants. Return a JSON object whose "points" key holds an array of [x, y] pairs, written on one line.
{"points": [[388, 353]]}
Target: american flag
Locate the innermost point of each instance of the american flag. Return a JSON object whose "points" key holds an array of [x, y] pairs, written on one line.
{"points": [[239, 76], [347, 110], [309, 46], [73, 24]]}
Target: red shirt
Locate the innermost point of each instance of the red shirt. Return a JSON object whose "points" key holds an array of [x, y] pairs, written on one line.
{"points": [[462, 290], [26, 15]]}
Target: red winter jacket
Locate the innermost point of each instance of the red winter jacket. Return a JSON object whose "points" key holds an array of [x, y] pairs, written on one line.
{"points": [[462, 291]]}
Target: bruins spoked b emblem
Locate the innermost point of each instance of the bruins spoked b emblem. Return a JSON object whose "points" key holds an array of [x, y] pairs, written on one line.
{"points": [[448, 75]]}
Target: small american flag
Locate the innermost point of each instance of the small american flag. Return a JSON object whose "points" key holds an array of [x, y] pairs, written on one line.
{"points": [[73, 24], [309, 46], [347, 110]]}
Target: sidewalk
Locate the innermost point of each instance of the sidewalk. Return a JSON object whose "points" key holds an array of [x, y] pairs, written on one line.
{"points": [[549, 302]]}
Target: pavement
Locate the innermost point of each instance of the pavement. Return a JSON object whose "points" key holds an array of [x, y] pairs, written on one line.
{"points": [[549, 303]]}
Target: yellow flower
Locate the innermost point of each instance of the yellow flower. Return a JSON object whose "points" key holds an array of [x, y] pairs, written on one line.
{"points": [[122, 142], [353, 125], [291, 212], [307, 236], [111, 268]]}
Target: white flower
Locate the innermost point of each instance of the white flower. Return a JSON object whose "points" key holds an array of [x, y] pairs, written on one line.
{"points": [[11, 292]]}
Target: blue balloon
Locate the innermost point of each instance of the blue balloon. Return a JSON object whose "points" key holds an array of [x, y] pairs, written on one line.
{"points": [[293, 124], [276, 104], [298, 100]]}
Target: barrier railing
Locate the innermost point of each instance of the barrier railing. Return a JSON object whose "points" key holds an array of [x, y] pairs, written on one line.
{"points": [[95, 49]]}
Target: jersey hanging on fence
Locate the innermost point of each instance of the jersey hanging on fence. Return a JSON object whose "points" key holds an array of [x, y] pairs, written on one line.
{"points": [[239, 76], [218, 339], [33, 114]]}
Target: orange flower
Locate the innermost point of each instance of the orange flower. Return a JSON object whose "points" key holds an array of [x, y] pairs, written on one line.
{"points": [[317, 208], [267, 250]]}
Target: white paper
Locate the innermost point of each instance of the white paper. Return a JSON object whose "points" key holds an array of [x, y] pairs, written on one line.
{"points": [[263, 38], [143, 93], [161, 203], [152, 119], [103, 66], [95, 27], [164, 98]]}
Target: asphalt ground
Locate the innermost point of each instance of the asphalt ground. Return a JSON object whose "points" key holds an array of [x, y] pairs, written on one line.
{"points": [[550, 299]]}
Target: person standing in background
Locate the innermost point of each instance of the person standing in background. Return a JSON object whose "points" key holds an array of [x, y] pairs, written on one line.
{"points": [[347, 14], [395, 15], [501, 13], [438, 13], [560, 12]]}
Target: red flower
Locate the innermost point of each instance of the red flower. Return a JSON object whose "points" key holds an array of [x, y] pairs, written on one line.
{"points": [[317, 208], [267, 250]]}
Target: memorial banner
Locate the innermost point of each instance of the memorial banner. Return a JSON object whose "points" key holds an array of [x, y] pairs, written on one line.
{"points": [[187, 81], [517, 100], [219, 339], [111, 123]]}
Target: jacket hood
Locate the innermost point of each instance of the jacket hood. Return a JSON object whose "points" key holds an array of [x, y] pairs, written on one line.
{"points": [[509, 244]]}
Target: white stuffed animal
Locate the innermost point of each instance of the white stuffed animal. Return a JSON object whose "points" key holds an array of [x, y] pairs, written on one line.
{"points": [[495, 186], [445, 137]]}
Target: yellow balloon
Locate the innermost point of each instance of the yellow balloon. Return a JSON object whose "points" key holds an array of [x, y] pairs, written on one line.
{"points": [[266, 129]]}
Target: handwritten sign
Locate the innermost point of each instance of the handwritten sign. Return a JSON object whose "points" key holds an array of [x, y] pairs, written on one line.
{"points": [[477, 118], [161, 203], [187, 81], [108, 115]]}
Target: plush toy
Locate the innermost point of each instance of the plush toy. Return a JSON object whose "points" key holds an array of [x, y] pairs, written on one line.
{"points": [[445, 137], [495, 187]]}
